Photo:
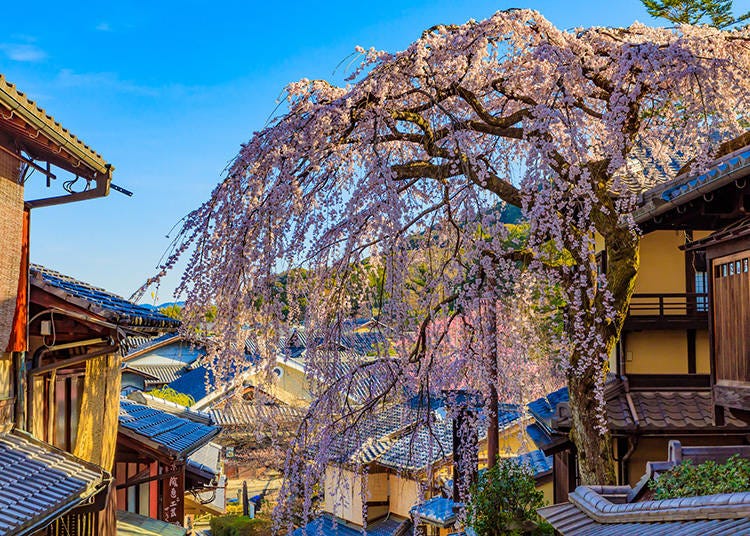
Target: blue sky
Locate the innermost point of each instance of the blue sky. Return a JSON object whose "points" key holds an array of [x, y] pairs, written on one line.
{"points": [[167, 91]]}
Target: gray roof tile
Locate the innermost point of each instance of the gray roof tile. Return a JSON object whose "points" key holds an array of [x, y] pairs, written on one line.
{"points": [[38, 480], [163, 374]]}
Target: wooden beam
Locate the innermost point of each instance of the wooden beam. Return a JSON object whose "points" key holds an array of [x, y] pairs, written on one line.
{"points": [[145, 476]]}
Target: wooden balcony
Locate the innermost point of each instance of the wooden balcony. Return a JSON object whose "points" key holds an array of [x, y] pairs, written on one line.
{"points": [[688, 310]]}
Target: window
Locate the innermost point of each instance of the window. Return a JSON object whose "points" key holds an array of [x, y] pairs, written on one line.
{"points": [[744, 265], [67, 407], [701, 287]]}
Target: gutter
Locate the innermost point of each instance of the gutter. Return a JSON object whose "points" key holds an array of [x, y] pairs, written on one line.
{"points": [[101, 190]]}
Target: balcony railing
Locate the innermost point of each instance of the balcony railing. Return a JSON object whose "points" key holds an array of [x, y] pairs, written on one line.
{"points": [[678, 310]]}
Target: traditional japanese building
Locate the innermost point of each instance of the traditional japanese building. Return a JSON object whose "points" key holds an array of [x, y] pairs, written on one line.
{"points": [[680, 369], [51, 482], [409, 468], [160, 457], [630, 510]]}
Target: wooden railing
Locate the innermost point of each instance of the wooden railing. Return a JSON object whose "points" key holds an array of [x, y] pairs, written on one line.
{"points": [[688, 303], [687, 309]]}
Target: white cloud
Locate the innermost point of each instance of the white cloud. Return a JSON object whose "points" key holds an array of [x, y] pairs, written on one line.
{"points": [[70, 78], [23, 52], [103, 27]]}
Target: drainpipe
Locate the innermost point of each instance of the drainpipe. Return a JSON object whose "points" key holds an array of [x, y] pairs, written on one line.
{"points": [[20, 389]]}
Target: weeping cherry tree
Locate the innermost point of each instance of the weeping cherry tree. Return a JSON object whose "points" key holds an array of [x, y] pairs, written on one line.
{"points": [[403, 173]]}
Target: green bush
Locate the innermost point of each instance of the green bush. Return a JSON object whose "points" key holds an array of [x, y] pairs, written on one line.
{"points": [[169, 394], [708, 478], [504, 502], [240, 526]]}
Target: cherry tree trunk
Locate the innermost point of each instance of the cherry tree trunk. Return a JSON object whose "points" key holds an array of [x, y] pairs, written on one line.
{"points": [[589, 429], [595, 460]]}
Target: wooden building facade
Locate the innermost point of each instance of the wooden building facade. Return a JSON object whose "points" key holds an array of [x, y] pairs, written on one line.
{"points": [[681, 369]]}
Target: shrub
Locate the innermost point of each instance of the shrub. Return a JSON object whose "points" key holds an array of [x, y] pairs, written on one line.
{"points": [[504, 502], [240, 526], [708, 478], [169, 394]]}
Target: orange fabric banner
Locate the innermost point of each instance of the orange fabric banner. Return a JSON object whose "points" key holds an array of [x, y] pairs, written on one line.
{"points": [[17, 341]]}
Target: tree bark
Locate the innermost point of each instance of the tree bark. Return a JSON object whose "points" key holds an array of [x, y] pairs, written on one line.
{"points": [[595, 460], [595, 457]]}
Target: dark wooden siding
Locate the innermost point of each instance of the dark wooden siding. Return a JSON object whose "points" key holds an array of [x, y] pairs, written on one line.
{"points": [[731, 316], [564, 469]]}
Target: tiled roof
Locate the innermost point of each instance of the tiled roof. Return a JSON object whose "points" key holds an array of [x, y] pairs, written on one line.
{"points": [[237, 412], [39, 483], [206, 461], [19, 103], [655, 411], [132, 524], [148, 399], [98, 300], [328, 526], [689, 185], [161, 374], [142, 345], [590, 513], [360, 342], [569, 520], [536, 461], [169, 350], [374, 436], [436, 511], [542, 409], [177, 435], [417, 449], [195, 383]]}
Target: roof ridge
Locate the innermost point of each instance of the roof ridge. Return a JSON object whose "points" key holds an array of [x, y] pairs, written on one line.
{"points": [[591, 500]]}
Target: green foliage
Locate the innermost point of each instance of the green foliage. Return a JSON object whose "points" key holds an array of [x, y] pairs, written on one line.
{"points": [[708, 478], [240, 526], [504, 502], [167, 393], [716, 13], [172, 311], [175, 311]]}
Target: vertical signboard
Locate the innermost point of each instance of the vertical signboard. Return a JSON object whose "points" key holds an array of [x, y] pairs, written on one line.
{"points": [[173, 494]]}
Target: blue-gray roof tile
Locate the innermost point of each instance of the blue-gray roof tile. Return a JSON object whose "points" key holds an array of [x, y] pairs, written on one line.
{"points": [[326, 525], [39, 482], [437, 511], [181, 436], [536, 461], [544, 408], [98, 300]]}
